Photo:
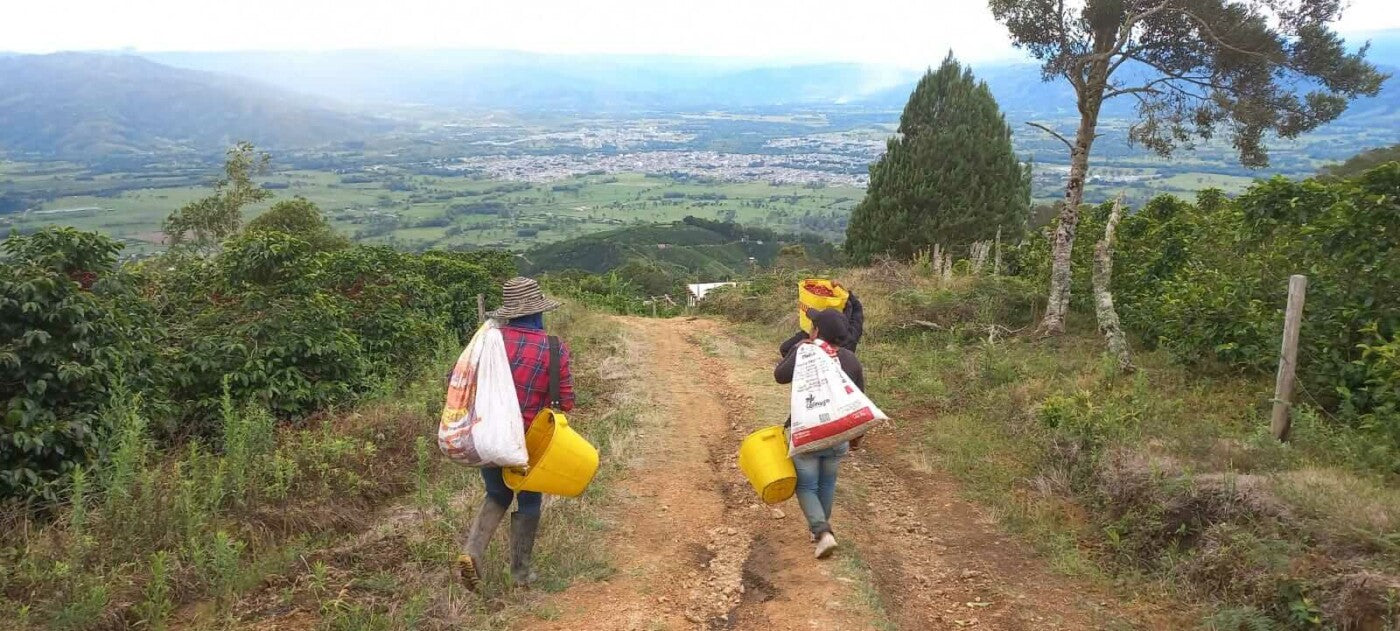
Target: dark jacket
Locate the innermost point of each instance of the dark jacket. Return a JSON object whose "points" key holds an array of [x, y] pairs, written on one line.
{"points": [[855, 321], [849, 364], [833, 328]]}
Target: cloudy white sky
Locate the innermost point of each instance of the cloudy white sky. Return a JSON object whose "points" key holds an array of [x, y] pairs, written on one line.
{"points": [[905, 32]]}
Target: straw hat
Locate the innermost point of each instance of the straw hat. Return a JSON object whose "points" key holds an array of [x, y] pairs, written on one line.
{"points": [[522, 297]]}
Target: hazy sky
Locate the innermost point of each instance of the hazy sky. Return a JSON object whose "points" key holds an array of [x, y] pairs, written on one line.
{"points": [[906, 32]]}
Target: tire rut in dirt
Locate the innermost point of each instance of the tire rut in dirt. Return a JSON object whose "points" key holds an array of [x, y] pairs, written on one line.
{"points": [[759, 587], [721, 591], [721, 587]]}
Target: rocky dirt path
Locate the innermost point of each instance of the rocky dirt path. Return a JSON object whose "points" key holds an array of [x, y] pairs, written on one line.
{"points": [[693, 549]]}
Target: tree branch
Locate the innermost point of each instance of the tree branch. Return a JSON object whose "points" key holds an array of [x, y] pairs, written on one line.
{"points": [[1130, 23], [1205, 27], [1075, 78], [1064, 30], [1150, 86], [1126, 55], [1054, 133], [1205, 82], [1105, 56]]}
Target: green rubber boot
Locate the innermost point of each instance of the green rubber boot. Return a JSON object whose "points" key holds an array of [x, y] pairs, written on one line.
{"points": [[523, 529]]}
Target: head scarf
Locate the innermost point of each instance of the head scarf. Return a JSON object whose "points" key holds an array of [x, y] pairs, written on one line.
{"points": [[534, 321]]}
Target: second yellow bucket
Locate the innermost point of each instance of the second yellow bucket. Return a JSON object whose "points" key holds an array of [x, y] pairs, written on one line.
{"points": [[763, 457], [561, 461], [837, 299]]}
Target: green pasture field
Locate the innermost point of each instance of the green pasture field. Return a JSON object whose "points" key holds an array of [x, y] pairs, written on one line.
{"points": [[1191, 182], [412, 211]]}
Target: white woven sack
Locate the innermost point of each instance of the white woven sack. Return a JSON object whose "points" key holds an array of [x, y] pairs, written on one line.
{"points": [[827, 407]]}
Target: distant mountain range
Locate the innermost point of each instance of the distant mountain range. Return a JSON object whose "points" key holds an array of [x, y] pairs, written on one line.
{"points": [[617, 84], [83, 105], [86, 104], [530, 82], [538, 82]]}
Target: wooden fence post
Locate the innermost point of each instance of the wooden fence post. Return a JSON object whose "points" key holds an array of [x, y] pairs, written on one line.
{"points": [[1281, 421], [480, 309]]}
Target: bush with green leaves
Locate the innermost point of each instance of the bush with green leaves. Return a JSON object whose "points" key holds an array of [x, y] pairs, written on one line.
{"points": [[298, 330], [464, 275], [1208, 281], [69, 327], [300, 218], [615, 292], [271, 319], [1345, 236]]}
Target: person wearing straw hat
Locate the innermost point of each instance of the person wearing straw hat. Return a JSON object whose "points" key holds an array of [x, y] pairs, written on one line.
{"points": [[527, 346]]}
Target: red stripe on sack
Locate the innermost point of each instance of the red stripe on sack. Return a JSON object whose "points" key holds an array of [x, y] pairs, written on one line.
{"points": [[838, 426]]}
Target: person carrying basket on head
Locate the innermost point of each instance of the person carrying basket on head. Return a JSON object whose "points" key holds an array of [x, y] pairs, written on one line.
{"points": [[817, 470], [529, 350], [855, 325], [853, 329]]}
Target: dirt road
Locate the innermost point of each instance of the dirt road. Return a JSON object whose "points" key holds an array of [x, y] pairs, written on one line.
{"points": [[695, 550], [686, 543]]}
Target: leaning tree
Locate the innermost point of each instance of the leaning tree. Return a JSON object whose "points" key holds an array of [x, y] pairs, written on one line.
{"points": [[1252, 69]]}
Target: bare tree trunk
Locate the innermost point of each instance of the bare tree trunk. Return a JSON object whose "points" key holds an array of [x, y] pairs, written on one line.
{"points": [[978, 257], [1089, 91], [996, 265], [1062, 242], [1103, 294]]}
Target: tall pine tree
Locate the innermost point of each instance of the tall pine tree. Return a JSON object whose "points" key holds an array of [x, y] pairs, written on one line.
{"points": [[950, 177]]}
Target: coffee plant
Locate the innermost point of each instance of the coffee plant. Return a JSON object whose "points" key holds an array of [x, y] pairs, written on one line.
{"points": [[1207, 281], [268, 318], [69, 327]]}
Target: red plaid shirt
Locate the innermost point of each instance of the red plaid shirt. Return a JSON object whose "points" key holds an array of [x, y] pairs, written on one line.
{"points": [[528, 351]]}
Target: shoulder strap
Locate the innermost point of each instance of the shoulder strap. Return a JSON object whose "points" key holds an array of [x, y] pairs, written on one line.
{"points": [[555, 359]]}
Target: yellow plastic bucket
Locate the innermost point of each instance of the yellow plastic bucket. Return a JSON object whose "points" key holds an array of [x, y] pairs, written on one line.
{"points": [[763, 457], [561, 461], [810, 300]]}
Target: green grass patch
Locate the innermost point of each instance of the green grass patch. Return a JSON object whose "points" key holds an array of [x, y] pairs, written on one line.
{"points": [[867, 596]]}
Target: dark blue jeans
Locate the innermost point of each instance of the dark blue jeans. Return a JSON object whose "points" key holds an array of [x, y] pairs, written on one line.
{"points": [[496, 489]]}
